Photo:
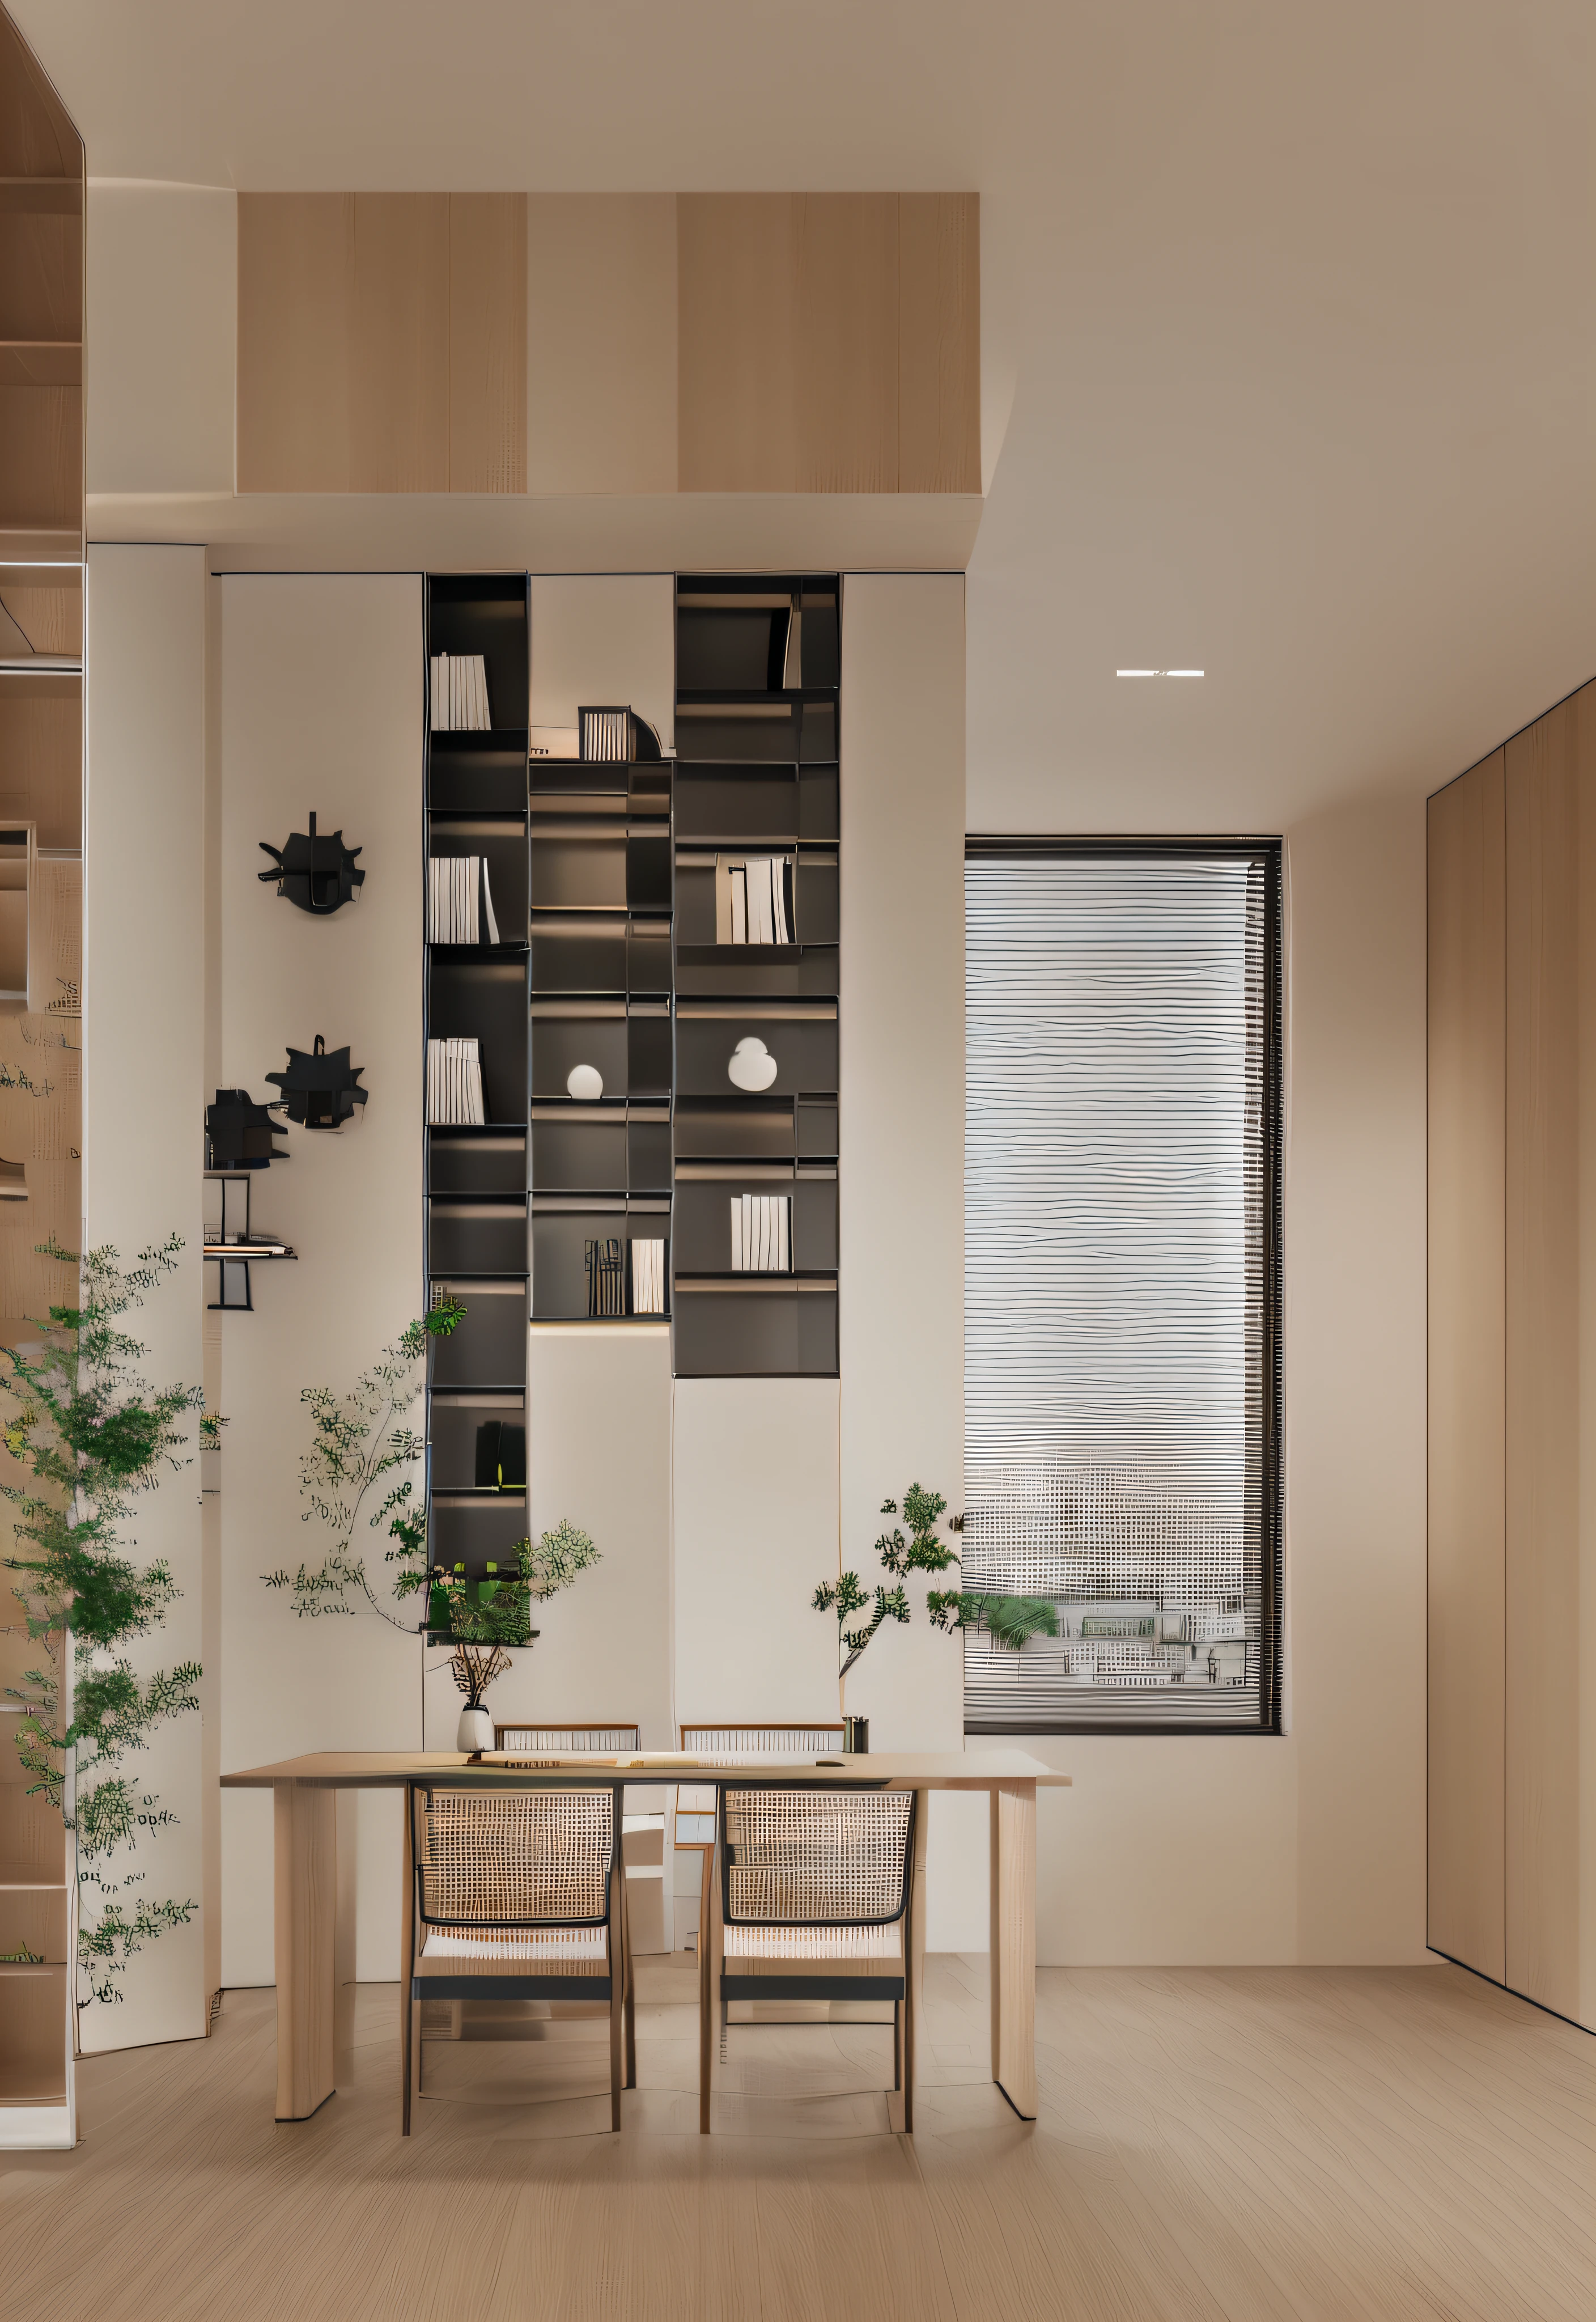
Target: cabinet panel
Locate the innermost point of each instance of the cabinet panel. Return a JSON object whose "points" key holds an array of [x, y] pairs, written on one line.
{"points": [[1548, 783], [1467, 1065]]}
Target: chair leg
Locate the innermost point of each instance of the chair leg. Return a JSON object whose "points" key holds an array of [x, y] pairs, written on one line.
{"points": [[412, 2090], [897, 2044], [709, 1969], [630, 2031], [617, 2042]]}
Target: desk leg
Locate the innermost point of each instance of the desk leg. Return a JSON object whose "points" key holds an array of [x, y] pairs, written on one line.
{"points": [[305, 1914], [901, 2105], [1014, 1943], [708, 1978]]}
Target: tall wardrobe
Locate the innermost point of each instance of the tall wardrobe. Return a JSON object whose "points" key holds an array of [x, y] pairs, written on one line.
{"points": [[1512, 1363]]}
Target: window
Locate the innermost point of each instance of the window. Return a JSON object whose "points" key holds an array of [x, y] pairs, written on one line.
{"points": [[1122, 1282]]}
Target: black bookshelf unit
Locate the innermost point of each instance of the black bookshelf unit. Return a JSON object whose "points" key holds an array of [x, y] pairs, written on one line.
{"points": [[619, 1173], [758, 672], [477, 1183]]}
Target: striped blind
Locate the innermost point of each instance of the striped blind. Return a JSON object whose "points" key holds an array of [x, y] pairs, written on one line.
{"points": [[1122, 1387]]}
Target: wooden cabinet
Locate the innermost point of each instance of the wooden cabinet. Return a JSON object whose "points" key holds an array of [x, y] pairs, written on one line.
{"points": [[1512, 1317]]}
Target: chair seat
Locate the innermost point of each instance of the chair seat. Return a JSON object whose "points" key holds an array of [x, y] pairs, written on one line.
{"points": [[574, 1951], [814, 1942]]}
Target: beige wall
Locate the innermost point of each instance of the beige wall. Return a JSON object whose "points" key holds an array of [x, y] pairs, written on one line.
{"points": [[321, 707], [143, 1030], [162, 297], [1310, 1846]]}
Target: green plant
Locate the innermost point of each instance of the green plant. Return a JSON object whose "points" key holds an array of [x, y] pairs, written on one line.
{"points": [[93, 1435], [922, 1551], [1008, 1620], [361, 1443], [497, 1610]]}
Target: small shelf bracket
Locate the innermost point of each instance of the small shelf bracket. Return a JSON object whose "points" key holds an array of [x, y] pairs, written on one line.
{"points": [[232, 1248]]}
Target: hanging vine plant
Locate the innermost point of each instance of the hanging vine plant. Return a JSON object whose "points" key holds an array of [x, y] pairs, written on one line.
{"points": [[93, 1436]]}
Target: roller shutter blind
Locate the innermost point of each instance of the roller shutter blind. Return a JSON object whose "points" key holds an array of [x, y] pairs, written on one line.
{"points": [[1122, 1297]]}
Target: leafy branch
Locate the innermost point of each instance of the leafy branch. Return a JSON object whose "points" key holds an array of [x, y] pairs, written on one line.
{"points": [[353, 1476], [91, 1436]]}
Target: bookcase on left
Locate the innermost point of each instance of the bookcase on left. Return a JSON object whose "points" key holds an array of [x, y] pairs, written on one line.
{"points": [[475, 925]]}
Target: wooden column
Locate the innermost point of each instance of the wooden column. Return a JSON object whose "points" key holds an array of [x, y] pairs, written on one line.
{"points": [[1551, 923], [1014, 1943], [1467, 1101], [305, 1912]]}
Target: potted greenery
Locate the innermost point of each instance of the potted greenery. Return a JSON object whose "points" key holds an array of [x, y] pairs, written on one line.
{"points": [[482, 1618], [1008, 1620], [92, 1437]]}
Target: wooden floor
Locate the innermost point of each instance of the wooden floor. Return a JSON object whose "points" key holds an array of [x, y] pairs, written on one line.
{"points": [[1341, 2145]]}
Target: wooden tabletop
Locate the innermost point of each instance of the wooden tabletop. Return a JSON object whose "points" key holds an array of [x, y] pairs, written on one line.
{"points": [[381, 1770]]}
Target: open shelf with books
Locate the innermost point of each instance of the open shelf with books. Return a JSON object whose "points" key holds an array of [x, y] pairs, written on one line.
{"points": [[475, 918], [757, 832]]}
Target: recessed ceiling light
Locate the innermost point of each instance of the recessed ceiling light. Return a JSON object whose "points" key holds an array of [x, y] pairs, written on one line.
{"points": [[1158, 672]]}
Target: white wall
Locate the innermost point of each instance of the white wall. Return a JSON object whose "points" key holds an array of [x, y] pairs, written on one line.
{"points": [[1310, 1846], [755, 1529], [602, 638], [598, 1451], [144, 999], [162, 334], [902, 1168], [321, 707]]}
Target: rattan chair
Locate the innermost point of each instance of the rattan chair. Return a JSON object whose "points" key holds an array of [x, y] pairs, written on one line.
{"points": [[602, 1738], [814, 1900], [514, 1896], [693, 1827]]}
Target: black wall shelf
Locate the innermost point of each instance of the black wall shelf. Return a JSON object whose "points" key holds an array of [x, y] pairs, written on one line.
{"points": [[603, 882]]}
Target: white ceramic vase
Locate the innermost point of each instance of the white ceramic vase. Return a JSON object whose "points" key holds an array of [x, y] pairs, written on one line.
{"points": [[476, 1729]]}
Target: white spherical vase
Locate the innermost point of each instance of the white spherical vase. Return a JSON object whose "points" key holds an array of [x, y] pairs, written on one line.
{"points": [[476, 1729]]}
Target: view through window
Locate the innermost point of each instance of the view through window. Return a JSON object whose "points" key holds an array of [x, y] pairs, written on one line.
{"points": [[1122, 1339]]}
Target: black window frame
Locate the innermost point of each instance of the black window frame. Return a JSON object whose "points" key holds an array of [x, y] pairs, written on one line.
{"points": [[1022, 847]]}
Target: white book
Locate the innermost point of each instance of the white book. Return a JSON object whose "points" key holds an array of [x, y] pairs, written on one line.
{"points": [[488, 905], [739, 887], [739, 1209], [470, 865], [434, 691], [759, 901], [479, 1108], [784, 1236], [783, 933]]}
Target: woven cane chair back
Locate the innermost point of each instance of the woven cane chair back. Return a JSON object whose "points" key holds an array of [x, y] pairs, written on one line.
{"points": [[832, 1858], [557, 1738], [516, 1858], [758, 1740]]}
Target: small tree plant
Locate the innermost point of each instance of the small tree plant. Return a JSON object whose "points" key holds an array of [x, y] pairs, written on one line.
{"points": [[497, 1611], [1008, 1620], [92, 1436], [357, 1473]]}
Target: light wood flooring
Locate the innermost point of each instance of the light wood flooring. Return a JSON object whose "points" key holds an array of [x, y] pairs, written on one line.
{"points": [[1214, 2145]]}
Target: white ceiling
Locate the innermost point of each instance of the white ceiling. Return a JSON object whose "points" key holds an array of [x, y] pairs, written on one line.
{"points": [[1296, 305]]}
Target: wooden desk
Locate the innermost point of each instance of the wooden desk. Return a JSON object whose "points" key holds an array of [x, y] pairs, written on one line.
{"points": [[306, 1898]]}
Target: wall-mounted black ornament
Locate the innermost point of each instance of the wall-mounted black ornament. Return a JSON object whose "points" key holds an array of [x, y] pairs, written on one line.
{"points": [[239, 1132], [317, 874], [319, 1090]]}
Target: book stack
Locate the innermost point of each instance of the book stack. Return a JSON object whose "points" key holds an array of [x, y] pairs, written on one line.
{"points": [[606, 734], [606, 1276], [454, 1097], [648, 1277], [754, 899], [459, 694], [761, 1233], [459, 900]]}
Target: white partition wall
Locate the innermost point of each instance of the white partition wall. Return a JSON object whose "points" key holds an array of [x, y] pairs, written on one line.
{"points": [[321, 707], [598, 1451], [902, 1304], [143, 1041]]}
